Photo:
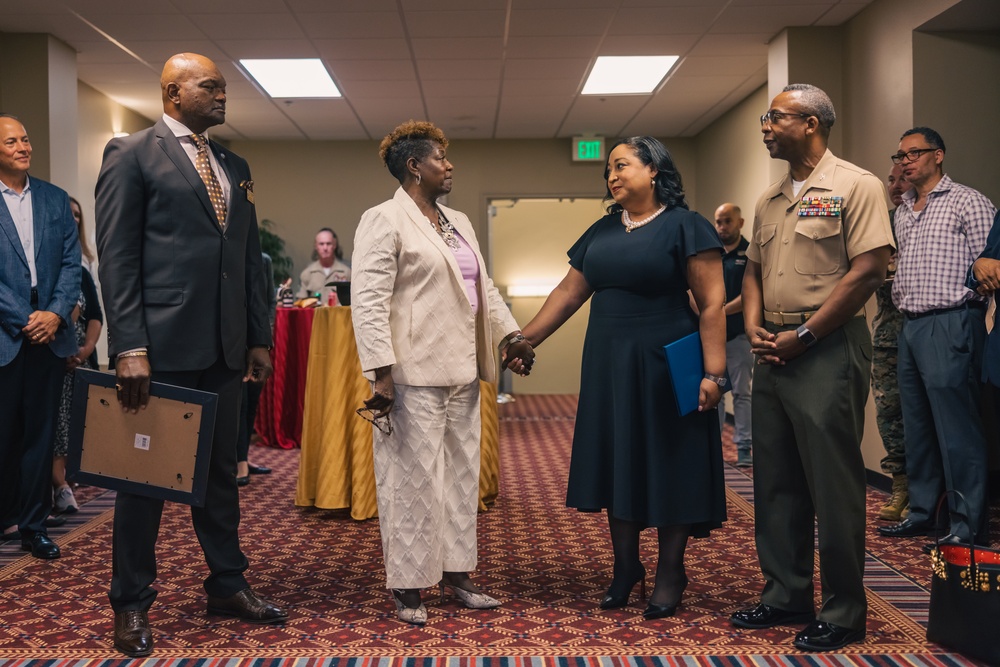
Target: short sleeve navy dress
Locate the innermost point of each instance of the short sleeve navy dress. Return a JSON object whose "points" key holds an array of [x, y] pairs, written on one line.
{"points": [[632, 453]]}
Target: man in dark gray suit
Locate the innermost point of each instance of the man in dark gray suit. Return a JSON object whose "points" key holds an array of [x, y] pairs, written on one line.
{"points": [[179, 259], [39, 287]]}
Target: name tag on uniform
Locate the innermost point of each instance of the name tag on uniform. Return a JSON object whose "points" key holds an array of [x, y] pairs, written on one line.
{"points": [[816, 207]]}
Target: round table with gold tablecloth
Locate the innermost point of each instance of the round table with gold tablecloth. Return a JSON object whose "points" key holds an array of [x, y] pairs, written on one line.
{"points": [[336, 470]]}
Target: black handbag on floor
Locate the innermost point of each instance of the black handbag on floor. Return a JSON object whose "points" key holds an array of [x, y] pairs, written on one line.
{"points": [[965, 598]]}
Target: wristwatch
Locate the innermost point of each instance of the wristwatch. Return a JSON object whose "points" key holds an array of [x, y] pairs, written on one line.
{"points": [[806, 337], [720, 380]]}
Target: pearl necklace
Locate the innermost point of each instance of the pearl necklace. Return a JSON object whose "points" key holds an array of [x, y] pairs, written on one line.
{"points": [[630, 225]]}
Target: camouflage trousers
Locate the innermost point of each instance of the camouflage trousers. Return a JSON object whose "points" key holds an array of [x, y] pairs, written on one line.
{"points": [[888, 413]]}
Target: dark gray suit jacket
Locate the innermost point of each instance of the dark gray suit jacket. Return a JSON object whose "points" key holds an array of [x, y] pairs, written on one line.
{"points": [[173, 280]]}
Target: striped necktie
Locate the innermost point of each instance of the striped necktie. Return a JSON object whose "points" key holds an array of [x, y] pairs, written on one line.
{"points": [[204, 168]]}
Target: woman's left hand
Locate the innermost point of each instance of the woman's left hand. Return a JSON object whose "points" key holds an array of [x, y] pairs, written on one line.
{"points": [[709, 395]]}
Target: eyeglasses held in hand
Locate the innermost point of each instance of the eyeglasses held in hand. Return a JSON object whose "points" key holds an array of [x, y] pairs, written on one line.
{"points": [[774, 116], [381, 423], [910, 156]]}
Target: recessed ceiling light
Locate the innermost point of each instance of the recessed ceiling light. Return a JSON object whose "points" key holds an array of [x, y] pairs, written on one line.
{"points": [[627, 75], [292, 77]]}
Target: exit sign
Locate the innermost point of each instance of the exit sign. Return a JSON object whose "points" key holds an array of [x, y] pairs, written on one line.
{"points": [[588, 149]]}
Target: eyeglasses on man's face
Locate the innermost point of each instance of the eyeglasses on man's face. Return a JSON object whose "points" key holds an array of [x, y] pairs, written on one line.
{"points": [[773, 116], [910, 155], [381, 423]]}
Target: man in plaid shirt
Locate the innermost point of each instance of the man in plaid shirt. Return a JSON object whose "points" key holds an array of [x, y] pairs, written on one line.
{"points": [[941, 227]]}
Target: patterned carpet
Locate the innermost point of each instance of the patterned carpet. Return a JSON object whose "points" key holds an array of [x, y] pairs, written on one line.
{"points": [[549, 565]]}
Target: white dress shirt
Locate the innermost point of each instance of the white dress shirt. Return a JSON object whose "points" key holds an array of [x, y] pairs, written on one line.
{"points": [[19, 205]]}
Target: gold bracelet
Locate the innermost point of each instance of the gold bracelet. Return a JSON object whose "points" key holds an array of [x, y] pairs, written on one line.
{"points": [[133, 353]]}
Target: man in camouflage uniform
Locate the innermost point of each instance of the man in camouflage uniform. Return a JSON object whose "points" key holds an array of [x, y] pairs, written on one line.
{"points": [[885, 390]]}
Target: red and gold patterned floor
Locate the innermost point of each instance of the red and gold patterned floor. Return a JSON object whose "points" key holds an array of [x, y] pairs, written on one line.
{"points": [[549, 564]]}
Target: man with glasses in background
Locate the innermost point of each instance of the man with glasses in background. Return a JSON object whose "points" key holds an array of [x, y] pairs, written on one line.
{"points": [[820, 247], [942, 228]]}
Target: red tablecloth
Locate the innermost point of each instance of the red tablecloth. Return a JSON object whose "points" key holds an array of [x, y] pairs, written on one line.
{"points": [[279, 413]]}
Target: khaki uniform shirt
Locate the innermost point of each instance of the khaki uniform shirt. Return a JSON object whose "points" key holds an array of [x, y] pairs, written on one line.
{"points": [[805, 243]]}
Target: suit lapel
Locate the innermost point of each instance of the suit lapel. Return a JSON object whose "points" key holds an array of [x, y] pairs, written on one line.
{"points": [[39, 214], [234, 180], [172, 147], [10, 229], [423, 225]]}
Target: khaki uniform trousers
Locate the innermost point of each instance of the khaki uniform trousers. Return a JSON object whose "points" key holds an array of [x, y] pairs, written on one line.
{"points": [[808, 419], [427, 482]]}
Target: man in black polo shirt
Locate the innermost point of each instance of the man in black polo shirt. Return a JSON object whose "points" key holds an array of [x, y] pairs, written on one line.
{"points": [[739, 360]]}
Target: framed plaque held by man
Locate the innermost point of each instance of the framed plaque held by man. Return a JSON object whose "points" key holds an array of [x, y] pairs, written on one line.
{"points": [[162, 451]]}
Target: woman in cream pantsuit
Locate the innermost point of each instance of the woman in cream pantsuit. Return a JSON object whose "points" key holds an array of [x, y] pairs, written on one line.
{"points": [[426, 318]]}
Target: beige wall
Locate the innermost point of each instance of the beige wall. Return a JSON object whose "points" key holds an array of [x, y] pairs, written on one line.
{"points": [[99, 118], [733, 165], [303, 186], [952, 95], [530, 240]]}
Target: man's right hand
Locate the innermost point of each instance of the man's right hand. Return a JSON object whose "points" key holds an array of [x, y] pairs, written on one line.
{"points": [[133, 374], [987, 272]]}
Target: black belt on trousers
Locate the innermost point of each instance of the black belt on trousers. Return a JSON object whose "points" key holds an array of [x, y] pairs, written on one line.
{"points": [[34, 297], [980, 305]]}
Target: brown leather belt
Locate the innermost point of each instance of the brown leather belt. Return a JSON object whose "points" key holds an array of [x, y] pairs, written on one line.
{"points": [[784, 319]]}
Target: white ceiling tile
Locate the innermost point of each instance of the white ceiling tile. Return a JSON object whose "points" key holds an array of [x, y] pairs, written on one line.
{"points": [[458, 69], [553, 46], [133, 73], [381, 116], [668, 45], [662, 21], [380, 90], [363, 49], [560, 4], [238, 49], [442, 25], [752, 19], [604, 116], [128, 27], [560, 22], [538, 117], [461, 113], [315, 6], [458, 47], [352, 25], [839, 14], [157, 52], [551, 68], [474, 87], [752, 44], [228, 7], [450, 5], [248, 26], [375, 70], [784, 3], [533, 88], [712, 65]]}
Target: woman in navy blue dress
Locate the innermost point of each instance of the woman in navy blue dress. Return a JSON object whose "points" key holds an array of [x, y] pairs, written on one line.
{"points": [[633, 454]]}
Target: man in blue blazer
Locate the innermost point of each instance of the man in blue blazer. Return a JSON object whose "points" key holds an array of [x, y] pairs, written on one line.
{"points": [[39, 287], [180, 259]]}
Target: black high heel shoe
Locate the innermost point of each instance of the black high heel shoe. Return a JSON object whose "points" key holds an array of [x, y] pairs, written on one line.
{"points": [[654, 611], [616, 601]]}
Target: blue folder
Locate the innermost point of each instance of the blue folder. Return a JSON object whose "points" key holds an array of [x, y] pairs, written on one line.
{"points": [[686, 370]]}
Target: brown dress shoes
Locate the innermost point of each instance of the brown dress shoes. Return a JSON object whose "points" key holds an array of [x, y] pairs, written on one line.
{"points": [[132, 634], [248, 606]]}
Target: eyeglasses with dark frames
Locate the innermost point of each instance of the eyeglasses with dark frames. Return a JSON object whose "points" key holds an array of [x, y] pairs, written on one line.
{"points": [[773, 116], [381, 423], [910, 155]]}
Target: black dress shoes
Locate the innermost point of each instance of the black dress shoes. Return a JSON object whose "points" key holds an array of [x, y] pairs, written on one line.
{"points": [[906, 528], [259, 470], [132, 634], [12, 535], [249, 606], [765, 616], [822, 636], [243, 481], [40, 546]]}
